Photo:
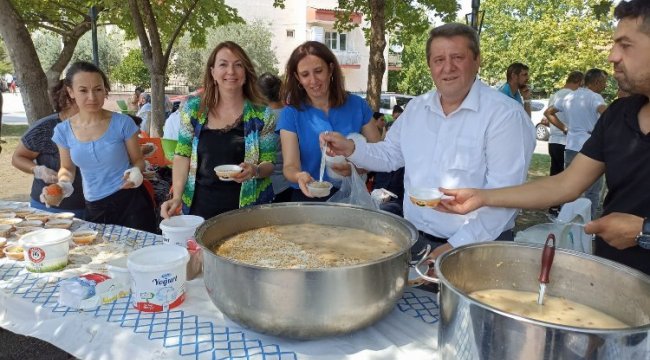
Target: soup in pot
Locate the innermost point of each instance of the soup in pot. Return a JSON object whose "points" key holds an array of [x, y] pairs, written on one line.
{"points": [[306, 246], [555, 310]]}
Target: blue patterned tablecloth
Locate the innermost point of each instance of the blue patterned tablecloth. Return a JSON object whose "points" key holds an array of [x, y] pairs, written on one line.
{"points": [[196, 329]]}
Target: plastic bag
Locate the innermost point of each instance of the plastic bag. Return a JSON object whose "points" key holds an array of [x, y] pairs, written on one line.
{"points": [[353, 191]]}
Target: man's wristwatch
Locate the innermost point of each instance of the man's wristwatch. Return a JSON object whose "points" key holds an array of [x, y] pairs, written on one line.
{"points": [[643, 239]]}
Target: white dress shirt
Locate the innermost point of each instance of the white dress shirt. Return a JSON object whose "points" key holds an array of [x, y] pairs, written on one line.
{"points": [[486, 143], [172, 125], [580, 107], [556, 135]]}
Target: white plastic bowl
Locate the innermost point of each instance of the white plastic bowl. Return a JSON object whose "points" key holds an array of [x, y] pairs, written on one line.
{"points": [[224, 172], [319, 189], [425, 197]]}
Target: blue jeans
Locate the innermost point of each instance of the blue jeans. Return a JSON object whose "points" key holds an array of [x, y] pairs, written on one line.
{"points": [[593, 192], [78, 213]]}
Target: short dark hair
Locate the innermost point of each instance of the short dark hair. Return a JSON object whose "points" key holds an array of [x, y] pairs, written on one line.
{"points": [[515, 68], [84, 66], [635, 9], [139, 89], [398, 109], [293, 91], [594, 75], [377, 115], [575, 77], [270, 85], [451, 30]]}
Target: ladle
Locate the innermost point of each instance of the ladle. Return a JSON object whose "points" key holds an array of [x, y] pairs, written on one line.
{"points": [[547, 261]]}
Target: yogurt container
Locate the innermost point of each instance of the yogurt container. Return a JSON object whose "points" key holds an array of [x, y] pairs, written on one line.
{"points": [[158, 275], [178, 229], [46, 250]]}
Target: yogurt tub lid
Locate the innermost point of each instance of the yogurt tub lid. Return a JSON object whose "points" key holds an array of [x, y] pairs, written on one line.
{"points": [[45, 237], [158, 258]]}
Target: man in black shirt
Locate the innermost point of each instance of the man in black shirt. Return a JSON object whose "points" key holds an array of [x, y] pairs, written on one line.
{"points": [[619, 147]]}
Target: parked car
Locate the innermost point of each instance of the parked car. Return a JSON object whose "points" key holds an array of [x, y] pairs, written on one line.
{"points": [[387, 101], [542, 129]]}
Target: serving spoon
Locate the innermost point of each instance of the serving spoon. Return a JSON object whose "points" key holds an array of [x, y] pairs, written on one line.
{"points": [[322, 163]]}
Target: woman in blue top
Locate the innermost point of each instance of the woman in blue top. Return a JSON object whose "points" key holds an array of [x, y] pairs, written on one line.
{"points": [[317, 102], [104, 146]]}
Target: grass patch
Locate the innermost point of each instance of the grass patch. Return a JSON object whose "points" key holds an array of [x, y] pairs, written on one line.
{"points": [[13, 130], [540, 165]]}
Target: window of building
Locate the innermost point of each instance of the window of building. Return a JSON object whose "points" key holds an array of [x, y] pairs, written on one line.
{"points": [[336, 41], [291, 33]]}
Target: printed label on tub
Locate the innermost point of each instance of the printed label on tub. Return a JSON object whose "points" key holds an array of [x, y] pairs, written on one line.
{"points": [[36, 255], [158, 293]]}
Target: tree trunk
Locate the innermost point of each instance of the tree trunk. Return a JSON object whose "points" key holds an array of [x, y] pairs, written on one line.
{"points": [[377, 64], [28, 70], [157, 119]]}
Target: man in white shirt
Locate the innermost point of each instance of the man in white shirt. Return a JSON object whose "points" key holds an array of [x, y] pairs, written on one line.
{"points": [[172, 125], [582, 108], [559, 127], [462, 133]]}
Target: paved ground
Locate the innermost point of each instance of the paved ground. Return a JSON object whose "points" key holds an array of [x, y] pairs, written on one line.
{"points": [[19, 347]]}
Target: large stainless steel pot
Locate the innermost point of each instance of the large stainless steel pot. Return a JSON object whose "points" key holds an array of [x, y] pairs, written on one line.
{"points": [[471, 330], [301, 303]]}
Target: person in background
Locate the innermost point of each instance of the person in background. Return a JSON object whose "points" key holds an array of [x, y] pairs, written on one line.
{"points": [[134, 100], [270, 87], [618, 147], [37, 154], [145, 112], [516, 86], [227, 124], [380, 122], [581, 109], [558, 123], [317, 102], [464, 132], [104, 146], [397, 111], [173, 124]]}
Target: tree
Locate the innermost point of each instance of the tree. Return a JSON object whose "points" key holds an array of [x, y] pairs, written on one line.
{"points": [[67, 18], [48, 47], [132, 70], [158, 24], [414, 77], [255, 39], [110, 49], [552, 37], [394, 16], [5, 64]]}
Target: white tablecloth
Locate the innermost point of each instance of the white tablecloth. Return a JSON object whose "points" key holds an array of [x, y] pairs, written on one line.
{"points": [[196, 329]]}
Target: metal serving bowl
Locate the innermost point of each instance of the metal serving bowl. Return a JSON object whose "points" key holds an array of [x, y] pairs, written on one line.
{"points": [[471, 330], [305, 303]]}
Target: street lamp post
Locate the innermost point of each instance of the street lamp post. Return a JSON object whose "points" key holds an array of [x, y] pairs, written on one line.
{"points": [[93, 23], [475, 18]]}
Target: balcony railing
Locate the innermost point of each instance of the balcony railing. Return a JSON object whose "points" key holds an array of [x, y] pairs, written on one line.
{"points": [[394, 59], [347, 57]]}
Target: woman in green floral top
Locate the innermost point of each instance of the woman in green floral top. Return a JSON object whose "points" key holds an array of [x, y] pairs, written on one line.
{"points": [[227, 124]]}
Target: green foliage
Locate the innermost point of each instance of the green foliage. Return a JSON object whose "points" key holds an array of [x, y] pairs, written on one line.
{"points": [[553, 37], [415, 78], [254, 38], [204, 14], [132, 70], [5, 63], [402, 18], [48, 47], [109, 46]]}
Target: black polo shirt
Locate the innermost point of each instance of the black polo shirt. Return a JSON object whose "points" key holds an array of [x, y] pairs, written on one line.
{"points": [[617, 141]]}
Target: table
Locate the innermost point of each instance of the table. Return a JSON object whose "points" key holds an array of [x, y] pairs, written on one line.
{"points": [[196, 329]]}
